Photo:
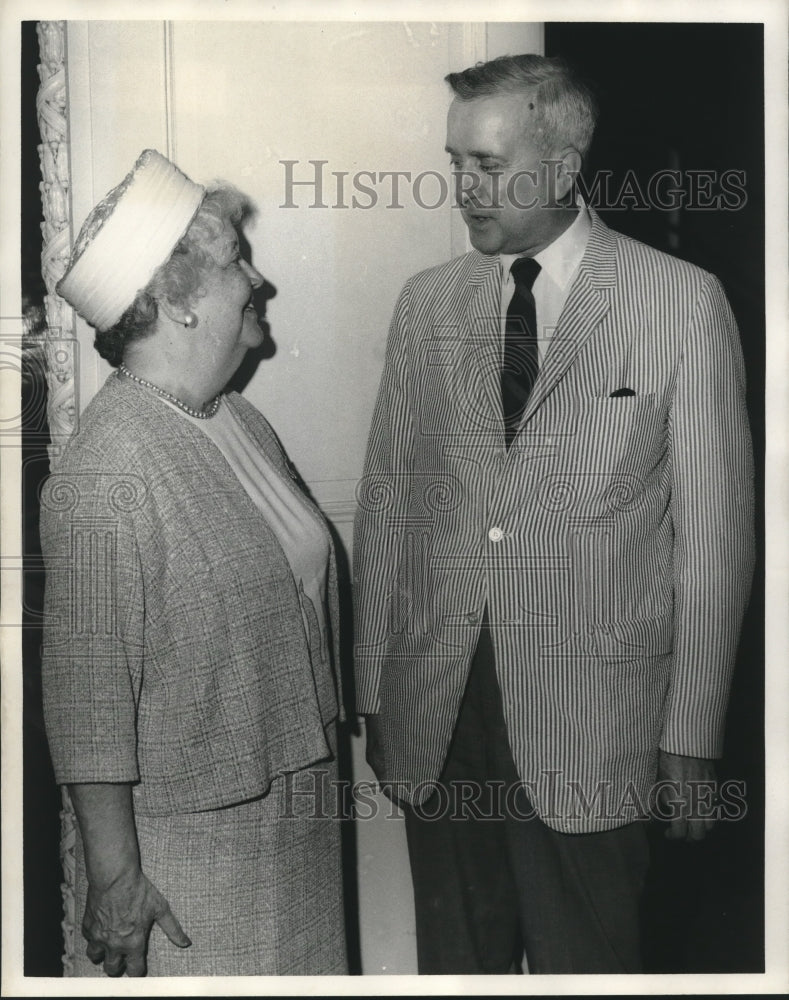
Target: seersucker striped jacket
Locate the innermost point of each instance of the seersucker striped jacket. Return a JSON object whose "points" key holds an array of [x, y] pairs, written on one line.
{"points": [[612, 544]]}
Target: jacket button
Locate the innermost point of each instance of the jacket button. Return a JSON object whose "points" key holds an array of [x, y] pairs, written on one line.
{"points": [[495, 534], [472, 617]]}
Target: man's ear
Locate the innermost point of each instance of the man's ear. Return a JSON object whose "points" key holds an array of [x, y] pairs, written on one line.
{"points": [[567, 170]]}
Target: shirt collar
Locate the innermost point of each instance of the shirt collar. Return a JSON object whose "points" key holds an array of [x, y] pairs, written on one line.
{"points": [[560, 259]]}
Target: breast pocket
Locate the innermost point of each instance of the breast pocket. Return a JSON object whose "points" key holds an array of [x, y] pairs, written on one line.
{"points": [[603, 455], [612, 434]]}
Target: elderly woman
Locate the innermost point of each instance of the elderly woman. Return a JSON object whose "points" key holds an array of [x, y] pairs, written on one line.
{"points": [[190, 696]]}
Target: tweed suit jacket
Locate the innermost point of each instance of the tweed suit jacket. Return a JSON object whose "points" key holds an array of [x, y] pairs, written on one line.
{"points": [[612, 543], [175, 654]]}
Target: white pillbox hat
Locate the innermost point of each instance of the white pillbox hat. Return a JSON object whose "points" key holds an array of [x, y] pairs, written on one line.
{"points": [[131, 231]]}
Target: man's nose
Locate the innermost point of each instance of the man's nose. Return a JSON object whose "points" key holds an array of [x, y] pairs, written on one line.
{"points": [[468, 187]]}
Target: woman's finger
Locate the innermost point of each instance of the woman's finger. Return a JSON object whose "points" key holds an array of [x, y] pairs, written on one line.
{"points": [[136, 966], [95, 951], [166, 920], [114, 963]]}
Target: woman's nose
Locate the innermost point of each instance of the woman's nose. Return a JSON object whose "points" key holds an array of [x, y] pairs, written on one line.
{"points": [[253, 274]]}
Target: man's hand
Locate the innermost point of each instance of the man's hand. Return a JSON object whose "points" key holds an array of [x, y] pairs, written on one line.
{"points": [[376, 760], [118, 921], [687, 798], [375, 753]]}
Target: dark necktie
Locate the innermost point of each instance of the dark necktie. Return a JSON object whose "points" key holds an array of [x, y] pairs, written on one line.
{"points": [[519, 369]]}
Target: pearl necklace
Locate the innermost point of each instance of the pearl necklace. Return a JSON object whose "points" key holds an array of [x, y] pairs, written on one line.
{"points": [[205, 414]]}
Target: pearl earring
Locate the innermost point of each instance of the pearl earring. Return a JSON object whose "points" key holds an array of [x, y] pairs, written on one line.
{"points": [[190, 321]]}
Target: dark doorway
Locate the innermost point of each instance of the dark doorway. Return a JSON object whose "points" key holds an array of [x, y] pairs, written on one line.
{"points": [[689, 98], [42, 875]]}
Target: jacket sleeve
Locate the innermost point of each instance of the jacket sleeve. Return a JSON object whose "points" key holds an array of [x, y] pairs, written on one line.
{"points": [[93, 625], [712, 508], [382, 493]]}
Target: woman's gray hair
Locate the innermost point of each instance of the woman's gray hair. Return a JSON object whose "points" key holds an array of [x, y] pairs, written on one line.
{"points": [[564, 105], [179, 279]]}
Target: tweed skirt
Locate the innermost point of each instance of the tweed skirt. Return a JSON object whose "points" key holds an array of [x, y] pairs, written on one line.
{"points": [[256, 886]]}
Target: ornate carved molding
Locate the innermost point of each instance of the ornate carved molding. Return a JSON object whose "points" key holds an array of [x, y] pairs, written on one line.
{"points": [[59, 342], [68, 843]]}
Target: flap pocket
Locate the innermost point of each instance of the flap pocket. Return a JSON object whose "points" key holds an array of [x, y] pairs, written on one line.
{"points": [[635, 639]]}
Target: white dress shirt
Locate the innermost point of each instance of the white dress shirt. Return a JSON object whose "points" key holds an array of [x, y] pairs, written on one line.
{"points": [[559, 263]]}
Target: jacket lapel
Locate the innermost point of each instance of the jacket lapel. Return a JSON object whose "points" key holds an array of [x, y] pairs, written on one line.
{"points": [[478, 311], [583, 311]]}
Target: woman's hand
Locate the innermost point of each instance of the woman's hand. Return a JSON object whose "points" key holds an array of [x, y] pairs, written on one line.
{"points": [[122, 903], [118, 921]]}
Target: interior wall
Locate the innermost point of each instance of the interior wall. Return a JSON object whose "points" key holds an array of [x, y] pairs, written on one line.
{"points": [[237, 101]]}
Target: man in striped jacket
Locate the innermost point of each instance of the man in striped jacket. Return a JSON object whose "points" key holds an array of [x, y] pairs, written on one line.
{"points": [[553, 549]]}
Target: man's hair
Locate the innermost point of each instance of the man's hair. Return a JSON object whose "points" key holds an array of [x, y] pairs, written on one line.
{"points": [[565, 107], [179, 279]]}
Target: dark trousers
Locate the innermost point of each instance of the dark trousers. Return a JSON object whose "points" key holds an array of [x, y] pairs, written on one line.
{"points": [[489, 885]]}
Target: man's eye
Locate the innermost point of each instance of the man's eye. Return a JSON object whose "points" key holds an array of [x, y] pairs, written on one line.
{"points": [[489, 168]]}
